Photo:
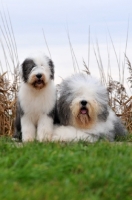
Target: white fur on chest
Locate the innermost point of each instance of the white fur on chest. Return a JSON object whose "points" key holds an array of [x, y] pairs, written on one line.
{"points": [[36, 102]]}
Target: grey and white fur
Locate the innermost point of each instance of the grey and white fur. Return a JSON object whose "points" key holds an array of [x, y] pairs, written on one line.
{"points": [[36, 100], [84, 112]]}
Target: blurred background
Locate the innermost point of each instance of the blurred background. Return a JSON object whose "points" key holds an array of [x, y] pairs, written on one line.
{"points": [[92, 36]]}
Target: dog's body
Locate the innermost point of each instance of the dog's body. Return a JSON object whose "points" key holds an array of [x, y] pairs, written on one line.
{"points": [[36, 100], [84, 111]]}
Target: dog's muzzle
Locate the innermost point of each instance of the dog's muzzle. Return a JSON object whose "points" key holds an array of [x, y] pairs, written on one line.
{"points": [[83, 110], [39, 81]]}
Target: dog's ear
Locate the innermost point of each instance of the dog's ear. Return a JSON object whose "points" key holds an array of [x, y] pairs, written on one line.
{"points": [[51, 65], [64, 112], [64, 102], [102, 99], [102, 116], [26, 68]]}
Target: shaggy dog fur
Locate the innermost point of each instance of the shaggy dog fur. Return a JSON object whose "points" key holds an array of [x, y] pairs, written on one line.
{"points": [[36, 100], [84, 111]]}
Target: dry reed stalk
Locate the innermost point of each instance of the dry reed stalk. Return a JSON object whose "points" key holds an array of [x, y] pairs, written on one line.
{"points": [[74, 59], [9, 81], [130, 72]]}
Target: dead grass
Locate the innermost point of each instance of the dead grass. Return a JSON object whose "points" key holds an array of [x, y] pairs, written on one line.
{"points": [[7, 106], [9, 78], [120, 102]]}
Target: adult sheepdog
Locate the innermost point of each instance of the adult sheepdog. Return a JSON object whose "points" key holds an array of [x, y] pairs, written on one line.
{"points": [[36, 100], [84, 111]]}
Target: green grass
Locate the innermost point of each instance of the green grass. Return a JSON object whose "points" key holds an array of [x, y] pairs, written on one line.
{"points": [[53, 171]]}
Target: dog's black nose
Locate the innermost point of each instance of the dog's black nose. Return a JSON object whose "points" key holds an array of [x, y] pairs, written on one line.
{"points": [[83, 102], [38, 75]]}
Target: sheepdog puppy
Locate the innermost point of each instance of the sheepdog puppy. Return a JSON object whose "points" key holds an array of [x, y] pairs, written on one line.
{"points": [[84, 112], [36, 100]]}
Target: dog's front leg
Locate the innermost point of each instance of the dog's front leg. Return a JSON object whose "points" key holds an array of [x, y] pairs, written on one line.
{"points": [[28, 129], [45, 128]]}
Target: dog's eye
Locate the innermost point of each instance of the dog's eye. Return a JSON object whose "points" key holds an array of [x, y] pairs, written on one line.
{"points": [[33, 69], [42, 67]]}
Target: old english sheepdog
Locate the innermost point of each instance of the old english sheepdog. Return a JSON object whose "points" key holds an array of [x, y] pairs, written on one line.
{"points": [[84, 111], [36, 100]]}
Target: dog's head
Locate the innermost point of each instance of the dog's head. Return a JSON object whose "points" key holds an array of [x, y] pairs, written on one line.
{"points": [[83, 101], [83, 112], [37, 71]]}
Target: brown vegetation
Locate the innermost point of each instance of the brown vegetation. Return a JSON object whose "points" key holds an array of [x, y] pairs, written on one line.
{"points": [[7, 106], [9, 78]]}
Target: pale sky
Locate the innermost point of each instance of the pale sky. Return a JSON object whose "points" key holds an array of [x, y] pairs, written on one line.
{"points": [[30, 17]]}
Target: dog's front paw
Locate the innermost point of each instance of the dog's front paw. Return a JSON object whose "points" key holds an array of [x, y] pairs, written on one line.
{"points": [[44, 136], [28, 135], [44, 129], [28, 140], [91, 138]]}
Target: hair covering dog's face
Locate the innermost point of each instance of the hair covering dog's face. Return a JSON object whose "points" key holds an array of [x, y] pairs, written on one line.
{"points": [[83, 101], [37, 71]]}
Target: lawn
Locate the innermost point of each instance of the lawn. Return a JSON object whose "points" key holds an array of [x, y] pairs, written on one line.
{"points": [[74, 171]]}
